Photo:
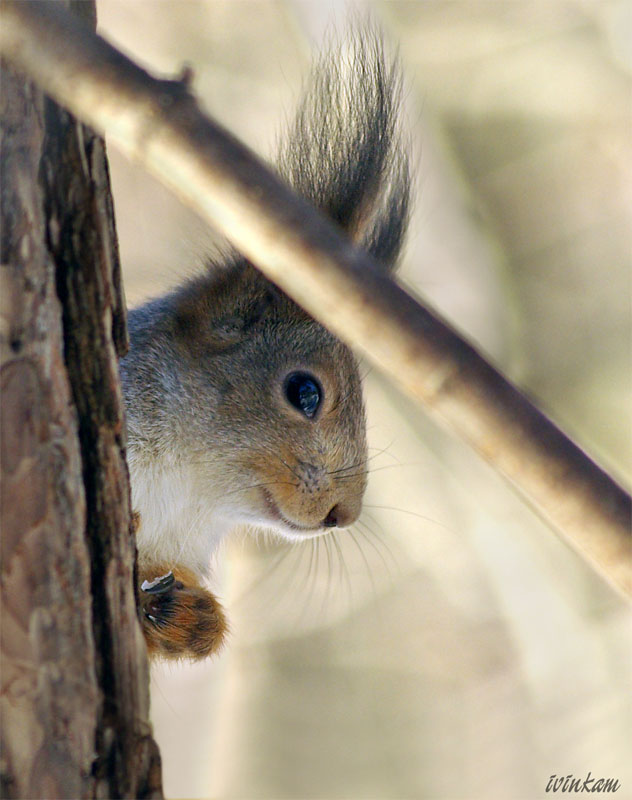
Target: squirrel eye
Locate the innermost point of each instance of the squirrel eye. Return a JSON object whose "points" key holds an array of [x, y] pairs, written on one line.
{"points": [[303, 391]]}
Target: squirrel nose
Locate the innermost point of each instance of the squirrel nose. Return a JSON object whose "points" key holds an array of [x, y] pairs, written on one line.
{"points": [[337, 517]]}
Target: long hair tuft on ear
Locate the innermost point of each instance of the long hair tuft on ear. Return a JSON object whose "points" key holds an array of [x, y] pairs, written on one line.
{"points": [[344, 149]]}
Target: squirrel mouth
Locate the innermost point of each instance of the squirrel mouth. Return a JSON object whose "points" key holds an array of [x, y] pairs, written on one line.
{"points": [[277, 515]]}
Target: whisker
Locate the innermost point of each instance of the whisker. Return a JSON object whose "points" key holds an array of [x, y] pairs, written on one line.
{"points": [[312, 574], [344, 469], [356, 464], [363, 531], [298, 551], [269, 570], [378, 469], [296, 475], [384, 451], [413, 514], [375, 543], [325, 602], [309, 583], [344, 572], [259, 485], [342, 399], [366, 562]]}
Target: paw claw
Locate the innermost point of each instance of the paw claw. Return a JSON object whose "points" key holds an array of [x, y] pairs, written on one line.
{"points": [[159, 585]]}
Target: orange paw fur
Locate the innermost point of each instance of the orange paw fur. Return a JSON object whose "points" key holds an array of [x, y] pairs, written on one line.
{"points": [[180, 618]]}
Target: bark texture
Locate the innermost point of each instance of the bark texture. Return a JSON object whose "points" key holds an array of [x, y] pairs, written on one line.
{"points": [[74, 691]]}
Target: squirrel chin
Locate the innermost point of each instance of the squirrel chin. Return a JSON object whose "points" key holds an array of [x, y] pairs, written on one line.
{"points": [[293, 535], [281, 525]]}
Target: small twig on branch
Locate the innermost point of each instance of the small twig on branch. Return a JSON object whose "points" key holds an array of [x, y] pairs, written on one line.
{"points": [[158, 124]]}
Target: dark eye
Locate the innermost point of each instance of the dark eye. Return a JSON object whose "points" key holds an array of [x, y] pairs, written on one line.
{"points": [[303, 392]]}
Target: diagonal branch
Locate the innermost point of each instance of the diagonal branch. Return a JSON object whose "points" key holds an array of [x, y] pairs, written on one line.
{"points": [[158, 124]]}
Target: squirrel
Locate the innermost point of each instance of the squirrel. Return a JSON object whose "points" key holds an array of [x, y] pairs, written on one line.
{"points": [[241, 408]]}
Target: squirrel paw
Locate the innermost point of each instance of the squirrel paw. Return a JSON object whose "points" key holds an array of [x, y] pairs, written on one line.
{"points": [[180, 618]]}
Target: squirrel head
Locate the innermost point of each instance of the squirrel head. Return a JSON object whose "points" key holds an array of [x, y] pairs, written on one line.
{"points": [[229, 376], [285, 426]]}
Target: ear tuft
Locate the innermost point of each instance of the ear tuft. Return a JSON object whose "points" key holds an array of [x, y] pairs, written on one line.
{"points": [[344, 151]]}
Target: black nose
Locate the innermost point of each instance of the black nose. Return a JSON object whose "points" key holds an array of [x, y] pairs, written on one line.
{"points": [[337, 517]]}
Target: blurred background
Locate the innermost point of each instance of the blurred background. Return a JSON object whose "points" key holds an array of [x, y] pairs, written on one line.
{"points": [[450, 646]]}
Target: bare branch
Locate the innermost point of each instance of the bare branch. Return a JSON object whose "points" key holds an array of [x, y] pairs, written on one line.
{"points": [[158, 124]]}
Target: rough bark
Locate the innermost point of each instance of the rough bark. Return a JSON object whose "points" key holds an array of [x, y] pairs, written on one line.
{"points": [[74, 689]]}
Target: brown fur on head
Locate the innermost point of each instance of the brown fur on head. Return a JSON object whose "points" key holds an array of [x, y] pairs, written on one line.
{"points": [[310, 468]]}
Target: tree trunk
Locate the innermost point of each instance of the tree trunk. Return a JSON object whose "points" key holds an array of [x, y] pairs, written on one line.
{"points": [[74, 683]]}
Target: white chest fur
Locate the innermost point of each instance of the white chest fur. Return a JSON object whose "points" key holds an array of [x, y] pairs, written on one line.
{"points": [[179, 523]]}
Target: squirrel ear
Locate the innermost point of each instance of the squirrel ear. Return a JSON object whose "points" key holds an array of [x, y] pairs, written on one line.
{"points": [[217, 310], [344, 150]]}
